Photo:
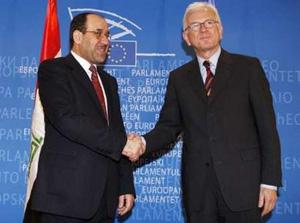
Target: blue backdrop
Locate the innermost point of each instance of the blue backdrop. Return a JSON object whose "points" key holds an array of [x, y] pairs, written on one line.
{"points": [[147, 45]]}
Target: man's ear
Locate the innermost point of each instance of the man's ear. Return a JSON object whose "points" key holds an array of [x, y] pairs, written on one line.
{"points": [[220, 30], [186, 38], [77, 36]]}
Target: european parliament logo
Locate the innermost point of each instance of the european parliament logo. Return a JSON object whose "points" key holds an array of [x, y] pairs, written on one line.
{"points": [[122, 52]]}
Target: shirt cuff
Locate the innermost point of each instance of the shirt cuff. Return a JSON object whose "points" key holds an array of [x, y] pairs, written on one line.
{"points": [[143, 141], [271, 187]]}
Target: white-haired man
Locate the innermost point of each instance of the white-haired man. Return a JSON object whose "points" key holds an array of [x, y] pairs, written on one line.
{"points": [[221, 102]]}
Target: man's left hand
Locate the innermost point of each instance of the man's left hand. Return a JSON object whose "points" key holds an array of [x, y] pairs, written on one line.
{"points": [[267, 200], [126, 202]]}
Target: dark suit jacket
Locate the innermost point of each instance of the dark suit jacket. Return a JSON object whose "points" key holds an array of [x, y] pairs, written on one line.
{"points": [[234, 128], [80, 151]]}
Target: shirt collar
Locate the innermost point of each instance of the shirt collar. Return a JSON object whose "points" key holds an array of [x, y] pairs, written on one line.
{"points": [[83, 62], [213, 60]]}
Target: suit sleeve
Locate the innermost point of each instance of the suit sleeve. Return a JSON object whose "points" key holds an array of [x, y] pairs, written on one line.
{"points": [[126, 177], [262, 104], [60, 111], [125, 167], [169, 124]]}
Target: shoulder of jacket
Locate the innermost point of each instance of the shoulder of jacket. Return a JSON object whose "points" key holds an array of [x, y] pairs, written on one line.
{"points": [[55, 62], [243, 58], [185, 67]]}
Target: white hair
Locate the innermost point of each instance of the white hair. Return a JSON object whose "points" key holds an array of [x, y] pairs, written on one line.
{"points": [[200, 5]]}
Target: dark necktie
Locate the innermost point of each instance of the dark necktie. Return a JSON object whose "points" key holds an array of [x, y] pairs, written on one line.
{"points": [[209, 78], [98, 89]]}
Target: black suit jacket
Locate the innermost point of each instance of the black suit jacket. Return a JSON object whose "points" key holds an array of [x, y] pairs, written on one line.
{"points": [[234, 129], [80, 151]]}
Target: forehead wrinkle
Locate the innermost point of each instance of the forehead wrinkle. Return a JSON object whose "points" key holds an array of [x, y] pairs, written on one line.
{"points": [[96, 22], [205, 10]]}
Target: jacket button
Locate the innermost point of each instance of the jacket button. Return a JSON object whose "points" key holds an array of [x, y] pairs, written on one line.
{"points": [[218, 162], [212, 139]]}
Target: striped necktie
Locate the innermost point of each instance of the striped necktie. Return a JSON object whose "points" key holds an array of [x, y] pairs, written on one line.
{"points": [[209, 78]]}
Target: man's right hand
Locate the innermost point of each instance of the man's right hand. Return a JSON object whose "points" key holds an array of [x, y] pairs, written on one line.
{"points": [[134, 147]]}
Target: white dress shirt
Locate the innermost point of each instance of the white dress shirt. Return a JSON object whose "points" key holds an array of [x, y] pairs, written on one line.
{"points": [[86, 66]]}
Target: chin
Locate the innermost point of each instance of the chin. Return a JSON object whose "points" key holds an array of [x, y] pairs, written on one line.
{"points": [[205, 48], [100, 59]]}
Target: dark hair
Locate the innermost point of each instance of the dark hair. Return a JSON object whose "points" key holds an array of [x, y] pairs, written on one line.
{"points": [[77, 23]]}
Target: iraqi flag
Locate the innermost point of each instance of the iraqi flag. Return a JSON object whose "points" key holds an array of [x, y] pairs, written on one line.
{"points": [[50, 49]]}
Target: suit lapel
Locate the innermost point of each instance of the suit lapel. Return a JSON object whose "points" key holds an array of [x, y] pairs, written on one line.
{"points": [[195, 80], [82, 78], [222, 75]]}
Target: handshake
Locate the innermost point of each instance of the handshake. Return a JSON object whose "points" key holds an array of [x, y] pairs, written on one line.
{"points": [[134, 148]]}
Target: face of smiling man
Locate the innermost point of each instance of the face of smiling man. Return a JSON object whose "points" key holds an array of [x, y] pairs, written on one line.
{"points": [[93, 43], [205, 40]]}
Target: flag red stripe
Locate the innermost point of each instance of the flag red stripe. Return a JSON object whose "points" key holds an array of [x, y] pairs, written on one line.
{"points": [[51, 39]]}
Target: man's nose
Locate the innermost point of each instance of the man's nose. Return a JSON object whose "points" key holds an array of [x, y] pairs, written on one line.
{"points": [[203, 28], [104, 39]]}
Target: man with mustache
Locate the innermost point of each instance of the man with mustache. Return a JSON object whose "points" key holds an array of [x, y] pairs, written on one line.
{"points": [[82, 175]]}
